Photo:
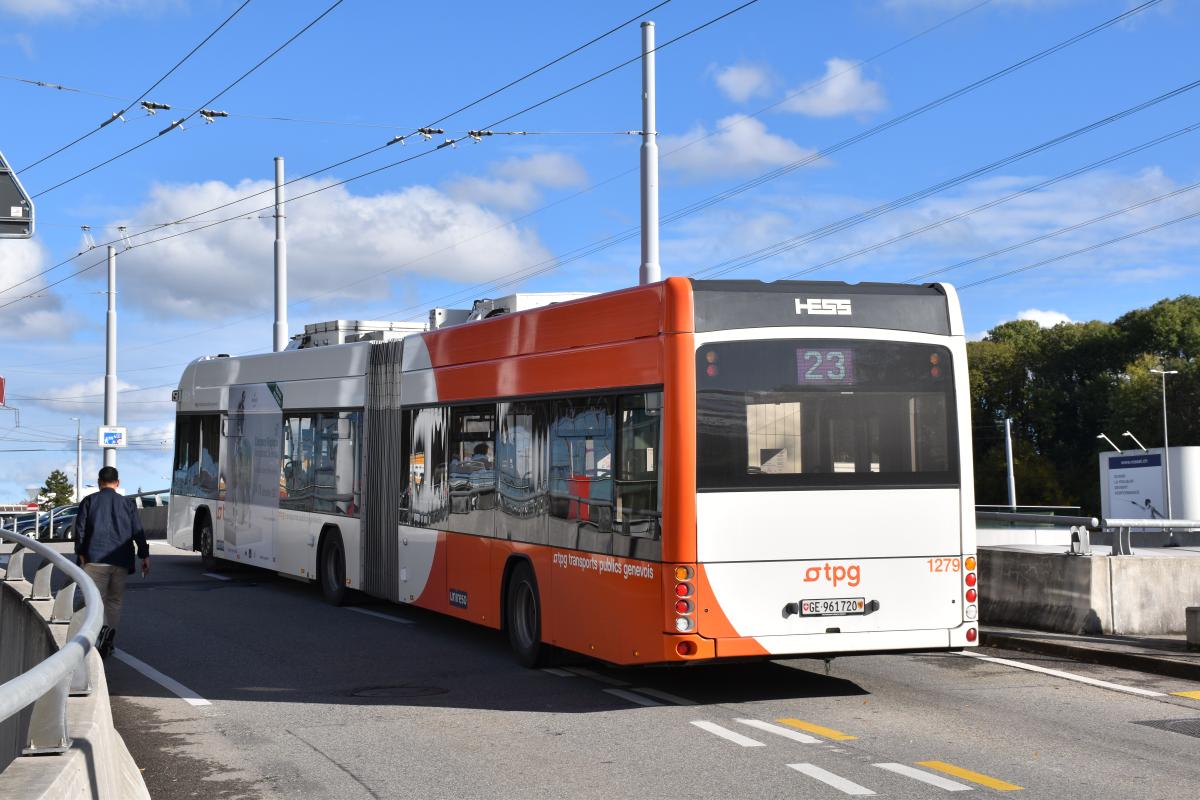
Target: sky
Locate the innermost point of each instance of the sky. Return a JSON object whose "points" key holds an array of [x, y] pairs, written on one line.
{"points": [[767, 101]]}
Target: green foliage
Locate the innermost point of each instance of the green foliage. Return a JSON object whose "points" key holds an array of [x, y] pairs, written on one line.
{"points": [[59, 489], [1064, 385]]}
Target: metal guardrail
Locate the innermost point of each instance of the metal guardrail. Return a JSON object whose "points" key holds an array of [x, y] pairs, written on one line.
{"points": [[1082, 526], [64, 674]]}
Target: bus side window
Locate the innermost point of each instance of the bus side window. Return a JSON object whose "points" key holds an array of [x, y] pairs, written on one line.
{"points": [[472, 470], [637, 481], [582, 441], [427, 466]]}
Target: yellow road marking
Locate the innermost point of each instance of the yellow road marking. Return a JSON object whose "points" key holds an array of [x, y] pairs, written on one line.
{"points": [[1193, 695], [819, 730], [968, 775]]}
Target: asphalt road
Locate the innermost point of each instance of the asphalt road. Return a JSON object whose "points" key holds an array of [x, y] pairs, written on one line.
{"points": [[290, 697]]}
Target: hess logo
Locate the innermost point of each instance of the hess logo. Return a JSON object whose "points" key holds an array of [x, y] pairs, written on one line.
{"points": [[834, 574], [825, 306]]}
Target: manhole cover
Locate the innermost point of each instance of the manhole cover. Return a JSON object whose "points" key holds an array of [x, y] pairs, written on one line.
{"points": [[1188, 727], [391, 692]]}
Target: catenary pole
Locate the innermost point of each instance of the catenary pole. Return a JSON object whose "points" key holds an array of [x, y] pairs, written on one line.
{"points": [[650, 272], [110, 355], [280, 332], [1008, 457], [78, 459]]}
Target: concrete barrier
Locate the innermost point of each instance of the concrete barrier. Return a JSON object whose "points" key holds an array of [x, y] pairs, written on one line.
{"points": [[1133, 595], [98, 765]]}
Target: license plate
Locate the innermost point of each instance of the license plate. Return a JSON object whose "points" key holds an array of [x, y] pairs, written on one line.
{"points": [[834, 607]]}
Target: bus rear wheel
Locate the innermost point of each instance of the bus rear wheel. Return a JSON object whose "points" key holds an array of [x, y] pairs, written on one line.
{"points": [[205, 535], [333, 570], [523, 617]]}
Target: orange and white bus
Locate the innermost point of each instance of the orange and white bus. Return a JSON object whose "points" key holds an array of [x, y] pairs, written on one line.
{"points": [[682, 471]]}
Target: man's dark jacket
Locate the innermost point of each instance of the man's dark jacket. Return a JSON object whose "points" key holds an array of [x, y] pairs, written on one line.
{"points": [[106, 527]]}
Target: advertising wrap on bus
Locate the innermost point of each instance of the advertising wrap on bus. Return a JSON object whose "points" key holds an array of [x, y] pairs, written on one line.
{"points": [[252, 473]]}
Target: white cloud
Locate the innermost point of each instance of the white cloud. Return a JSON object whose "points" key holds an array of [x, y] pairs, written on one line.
{"points": [[739, 145], [841, 90], [740, 82], [21, 41], [336, 242], [43, 9], [38, 315], [1045, 319], [516, 183]]}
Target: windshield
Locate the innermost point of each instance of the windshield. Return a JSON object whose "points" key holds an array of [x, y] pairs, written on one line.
{"points": [[824, 413]]}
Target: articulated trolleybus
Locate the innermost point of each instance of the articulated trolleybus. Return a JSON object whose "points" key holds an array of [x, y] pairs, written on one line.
{"points": [[683, 471]]}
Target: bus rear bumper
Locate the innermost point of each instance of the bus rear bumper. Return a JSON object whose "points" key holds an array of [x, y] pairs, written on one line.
{"points": [[833, 643]]}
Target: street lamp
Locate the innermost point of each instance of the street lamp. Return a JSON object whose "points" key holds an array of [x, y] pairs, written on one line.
{"points": [[1135, 440], [1111, 443], [78, 458], [1166, 445]]}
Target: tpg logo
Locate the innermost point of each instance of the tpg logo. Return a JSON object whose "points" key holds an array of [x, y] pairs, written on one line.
{"points": [[834, 574], [825, 306]]}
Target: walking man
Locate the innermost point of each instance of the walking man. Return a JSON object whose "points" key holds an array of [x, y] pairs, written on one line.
{"points": [[106, 528]]}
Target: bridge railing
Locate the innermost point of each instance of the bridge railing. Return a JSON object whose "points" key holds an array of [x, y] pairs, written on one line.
{"points": [[47, 685], [1082, 527]]}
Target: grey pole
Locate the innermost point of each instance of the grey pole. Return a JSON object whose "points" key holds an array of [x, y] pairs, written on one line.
{"points": [[1008, 456], [1166, 441], [281, 325], [110, 351], [78, 458], [650, 272]]}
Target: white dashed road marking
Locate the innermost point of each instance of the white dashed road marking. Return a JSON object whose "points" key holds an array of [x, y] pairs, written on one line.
{"points": [[725, 733], [670, 698], [829, 779], [596, 676], [165, 681], [926, 777], [633, 697], [1116, 687], [381, 615], [218, 577], [562, 673], [786, 733]]}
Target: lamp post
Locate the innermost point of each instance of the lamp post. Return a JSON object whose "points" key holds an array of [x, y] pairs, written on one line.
{"points": [[1135, 440], [1111, 443], [78, 457], [1166, 444]]}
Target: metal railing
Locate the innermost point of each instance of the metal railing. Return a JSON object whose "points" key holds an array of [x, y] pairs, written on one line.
{"points": [[1082, 527], [64, 674]]}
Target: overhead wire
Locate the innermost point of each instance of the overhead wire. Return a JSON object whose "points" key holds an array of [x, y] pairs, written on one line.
{"points": [[140, 97], [770, 251], [199, 108], [350, 159]]}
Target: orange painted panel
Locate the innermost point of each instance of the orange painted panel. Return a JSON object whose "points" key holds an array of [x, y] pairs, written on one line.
{"points": [[469, 579], [612, 317], [679, 448], [636, 363]]}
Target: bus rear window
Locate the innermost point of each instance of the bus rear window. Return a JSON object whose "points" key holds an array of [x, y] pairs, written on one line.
{"points": [[784, 414]]}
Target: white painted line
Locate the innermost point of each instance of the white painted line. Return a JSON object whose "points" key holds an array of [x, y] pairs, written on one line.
{"points": [[787, 733], [640, 699], [670, 698], [725, 733], [381, 615], [1116, 687], [829, 779], [562, 673], [596, 676], [926, 777], [168, 683], [215, 575]]}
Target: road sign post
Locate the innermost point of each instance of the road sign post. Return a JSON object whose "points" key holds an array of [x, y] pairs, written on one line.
{"points": [[16, 208]]}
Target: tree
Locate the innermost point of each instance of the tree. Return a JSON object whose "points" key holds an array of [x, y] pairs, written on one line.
{"points": [[59, 489]]}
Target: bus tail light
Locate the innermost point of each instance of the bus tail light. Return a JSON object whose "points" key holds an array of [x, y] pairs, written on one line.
{"points": [[971, 595], [970, 580], [684, 624], [971, 635], [683, 606], [683, 589], [686, 648]]}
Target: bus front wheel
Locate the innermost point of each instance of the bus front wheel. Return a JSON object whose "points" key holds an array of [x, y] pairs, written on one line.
{"points": [[333, 570], [523, 616], [205, 535]]}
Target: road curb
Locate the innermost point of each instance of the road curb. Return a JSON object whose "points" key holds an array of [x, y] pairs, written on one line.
{"points": [[1170, 667]]}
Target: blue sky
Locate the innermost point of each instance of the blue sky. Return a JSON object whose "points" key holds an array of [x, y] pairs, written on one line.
{"points": [[441, 229]]}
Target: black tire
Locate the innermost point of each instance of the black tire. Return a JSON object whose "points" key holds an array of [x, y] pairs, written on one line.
{"points": [[523, 617], [331, 570], [204, 536]]}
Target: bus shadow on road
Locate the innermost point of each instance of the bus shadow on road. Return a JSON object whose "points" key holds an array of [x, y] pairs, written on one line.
{"points": [[744, 682]]}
